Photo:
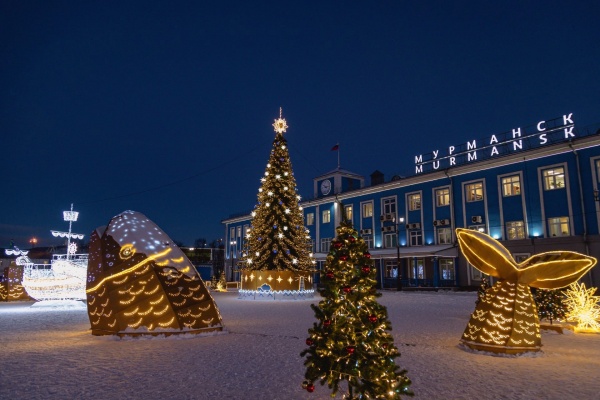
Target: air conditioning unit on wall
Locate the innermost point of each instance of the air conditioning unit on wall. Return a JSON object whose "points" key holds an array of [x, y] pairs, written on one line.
{"points": [[388, 229], [387, 217], [415, 225], [476, 219], [366, 231], [441, 222]]}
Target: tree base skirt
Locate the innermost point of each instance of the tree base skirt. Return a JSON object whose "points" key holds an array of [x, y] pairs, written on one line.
{"points": [[261, 281], [500, 349]]}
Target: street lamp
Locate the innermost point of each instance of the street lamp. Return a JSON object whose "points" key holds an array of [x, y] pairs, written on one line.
{"points": [[231, 254], [399, 222], [33, 241]]}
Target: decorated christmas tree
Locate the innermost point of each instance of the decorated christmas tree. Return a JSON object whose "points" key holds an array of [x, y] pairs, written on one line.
{"points": [[277, 252], [351, 343], [550, 304]]}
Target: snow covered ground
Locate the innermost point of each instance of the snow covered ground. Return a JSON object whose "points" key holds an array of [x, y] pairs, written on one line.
{"points": [[49, 353]]}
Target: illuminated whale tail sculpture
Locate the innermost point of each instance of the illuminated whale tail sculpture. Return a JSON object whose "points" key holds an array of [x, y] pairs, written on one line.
{"points": [[140, 282], [506, 318]]}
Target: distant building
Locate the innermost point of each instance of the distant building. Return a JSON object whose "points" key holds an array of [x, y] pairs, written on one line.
{"points": [[535, 189]]}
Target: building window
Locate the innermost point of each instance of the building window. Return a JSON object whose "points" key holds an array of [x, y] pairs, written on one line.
{"points": [[231, 234], [368, 241], [520, 257], [389, 240], [245, 234], [326, 216], [474, 191], [442, 197], [310, 219], [414, 201], [348, 212], [391, 269], [554, 178], [478, 228], [389, 205], [511, 186], [447, 268], [558, 226], [515, 230], [325, 244], [416, 269], [444, 236], [312, 246], [416, 238], [476, 274], [367, 210], [598, 170]]}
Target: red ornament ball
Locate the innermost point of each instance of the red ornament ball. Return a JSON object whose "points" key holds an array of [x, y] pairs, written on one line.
{"points": [[366, 270], [329, 275], [368, 255], [337, 245], [326, 322], [309, 342], [350, 349], [310, 388], [343, 258], [352, 239], [347, 289], [373, 318]]}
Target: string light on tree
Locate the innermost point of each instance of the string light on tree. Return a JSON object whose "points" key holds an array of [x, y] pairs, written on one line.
{"points": [[277, 238], [351, 341]]}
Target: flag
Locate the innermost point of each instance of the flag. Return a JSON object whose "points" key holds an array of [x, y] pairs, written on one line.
{"points": [[336, 147]]}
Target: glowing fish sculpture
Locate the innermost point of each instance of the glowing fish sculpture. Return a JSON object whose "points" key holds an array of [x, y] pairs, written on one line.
{"points": [[140, 282], [506, 318]]}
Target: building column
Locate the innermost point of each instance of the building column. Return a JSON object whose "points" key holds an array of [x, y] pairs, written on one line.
{"points": [[436, 272]]}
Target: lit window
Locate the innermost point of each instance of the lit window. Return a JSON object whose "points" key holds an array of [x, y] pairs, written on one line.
{"points": [[310, 219], [414, 201], [474, 191], [416, 269], [391, 270], [598, 170], [515, 230], [444, 236], [367, 210], [368, 241], [511, 186], [554, 178], [348, 211], [446, 268], [558, 226], [442, 197], [326, 216]]}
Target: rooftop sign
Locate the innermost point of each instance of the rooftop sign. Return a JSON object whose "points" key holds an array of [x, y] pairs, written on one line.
{"points": [[518, 139]]}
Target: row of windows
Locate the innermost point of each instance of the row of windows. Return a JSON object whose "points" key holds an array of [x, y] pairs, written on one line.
{"points": [[553, 178], [416, 269]]}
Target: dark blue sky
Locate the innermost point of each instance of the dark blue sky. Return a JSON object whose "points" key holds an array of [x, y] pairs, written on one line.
{"points": [[166, 107]]}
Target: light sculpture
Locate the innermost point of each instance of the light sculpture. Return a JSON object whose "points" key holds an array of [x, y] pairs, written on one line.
{"points": [[583, 308], [140, 282], [505, 319]]}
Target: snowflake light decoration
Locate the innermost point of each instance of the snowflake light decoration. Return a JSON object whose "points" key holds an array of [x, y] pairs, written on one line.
{"points": [[583, 307], [280, 125]]}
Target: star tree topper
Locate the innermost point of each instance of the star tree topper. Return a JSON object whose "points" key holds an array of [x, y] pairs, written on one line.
{"points": [[280, 125]]}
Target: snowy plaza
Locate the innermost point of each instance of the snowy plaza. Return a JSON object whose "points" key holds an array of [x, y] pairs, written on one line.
{"points": [[50, 353]]}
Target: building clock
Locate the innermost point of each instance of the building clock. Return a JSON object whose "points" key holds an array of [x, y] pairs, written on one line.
{"points": [[326, 187]]}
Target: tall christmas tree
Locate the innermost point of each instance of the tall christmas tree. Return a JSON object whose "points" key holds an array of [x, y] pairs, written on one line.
{"points": [[277, 253], [351, 340]]}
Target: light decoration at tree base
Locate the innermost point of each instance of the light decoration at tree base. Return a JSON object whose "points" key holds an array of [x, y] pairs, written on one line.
{"points": [[506, 318], [140, 283], [276, 284], [583, 307]]}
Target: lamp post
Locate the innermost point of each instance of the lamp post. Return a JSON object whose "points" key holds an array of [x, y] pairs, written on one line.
{"points": [[399, 222], [231, 254], [33, 241]]}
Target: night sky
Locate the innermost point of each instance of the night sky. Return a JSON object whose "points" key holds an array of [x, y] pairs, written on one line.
{"points": [[166, 107]]}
